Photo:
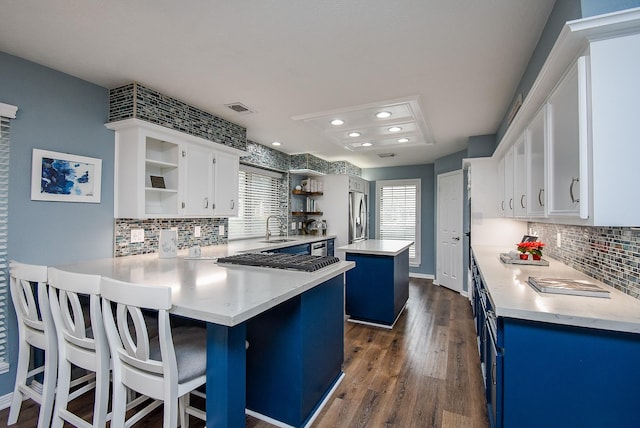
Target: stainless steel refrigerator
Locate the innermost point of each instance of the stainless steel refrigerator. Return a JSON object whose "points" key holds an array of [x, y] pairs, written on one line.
{"points": [[358, 216]]}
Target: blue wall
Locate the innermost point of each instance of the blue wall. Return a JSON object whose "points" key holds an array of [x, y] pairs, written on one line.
{"points": [[60, 113], [597, 7], [427, 189]]}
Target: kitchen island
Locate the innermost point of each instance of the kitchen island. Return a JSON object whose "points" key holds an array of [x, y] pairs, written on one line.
{"points": [[377, 289], [554, 360], [288, 371]]}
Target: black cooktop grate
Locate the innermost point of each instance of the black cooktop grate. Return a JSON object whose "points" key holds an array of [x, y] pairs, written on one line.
{"points": [[301, 262]]}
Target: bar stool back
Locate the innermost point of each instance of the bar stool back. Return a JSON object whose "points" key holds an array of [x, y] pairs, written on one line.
{"points": [[82, 342], [165, 369], [35, 330]]}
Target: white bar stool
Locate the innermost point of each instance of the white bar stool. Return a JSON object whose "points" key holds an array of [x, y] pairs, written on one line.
{"points": [[82, 342], [166, 369], [35, 329]]}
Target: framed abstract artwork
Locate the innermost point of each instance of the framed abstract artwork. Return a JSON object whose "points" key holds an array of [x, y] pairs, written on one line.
{"points": [[64, 177]]}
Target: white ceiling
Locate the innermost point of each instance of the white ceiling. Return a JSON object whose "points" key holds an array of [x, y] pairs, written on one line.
{"points": [[461, 59]]}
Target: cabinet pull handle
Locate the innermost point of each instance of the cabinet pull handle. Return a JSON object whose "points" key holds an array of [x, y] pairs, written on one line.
{"points": [[511, 203], [540, 197], [573, 199], [233, 204], [493, 373], [522, 201], [502, 205], [206, 202]]}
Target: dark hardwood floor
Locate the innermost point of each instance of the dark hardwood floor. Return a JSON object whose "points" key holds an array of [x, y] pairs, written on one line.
{"points": [[423, 373]]}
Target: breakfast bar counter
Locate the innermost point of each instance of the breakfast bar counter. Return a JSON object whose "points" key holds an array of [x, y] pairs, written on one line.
{"points": [[292, 320]]}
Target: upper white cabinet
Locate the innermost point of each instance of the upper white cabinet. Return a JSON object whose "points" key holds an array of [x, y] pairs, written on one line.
{"points": [[580, 126], [519, 179], [567, 140], [226, 192], [165, 173], [535, 169]]}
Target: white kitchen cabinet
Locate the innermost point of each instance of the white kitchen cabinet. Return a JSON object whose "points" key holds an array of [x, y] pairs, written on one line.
{"points": [[535, 169], [519, 179], [500, 186], [225, 177], [507, 180], [566, 114], [584, 107], [197, 197], [161, 173]]}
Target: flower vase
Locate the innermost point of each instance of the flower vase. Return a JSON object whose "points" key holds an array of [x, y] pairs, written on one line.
{"points": [[536, 256], [524, 256]]}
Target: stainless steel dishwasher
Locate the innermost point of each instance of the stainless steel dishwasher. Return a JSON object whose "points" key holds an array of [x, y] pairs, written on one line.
{"points": [[319, 248]]}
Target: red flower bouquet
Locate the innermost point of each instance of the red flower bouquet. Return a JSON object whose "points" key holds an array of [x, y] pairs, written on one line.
{"points": [[533, 248]]}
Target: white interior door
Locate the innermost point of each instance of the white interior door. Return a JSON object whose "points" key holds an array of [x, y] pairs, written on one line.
{"points": [[449, 234]]}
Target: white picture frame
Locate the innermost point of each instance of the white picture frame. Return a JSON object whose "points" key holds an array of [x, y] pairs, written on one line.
{"points": [[65, 177]]}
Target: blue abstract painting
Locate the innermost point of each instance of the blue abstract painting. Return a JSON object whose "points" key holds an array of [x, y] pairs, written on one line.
{"points": [[65, 177], [62, 177]]}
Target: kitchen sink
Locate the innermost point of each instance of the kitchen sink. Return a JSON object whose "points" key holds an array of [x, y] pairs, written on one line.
{"points": [[278, 240]]}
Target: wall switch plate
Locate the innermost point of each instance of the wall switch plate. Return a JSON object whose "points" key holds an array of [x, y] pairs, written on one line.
{"points": [[221, 230], [559, 240], [293, 225], [300, 225], [197, 231], [137, 235]]}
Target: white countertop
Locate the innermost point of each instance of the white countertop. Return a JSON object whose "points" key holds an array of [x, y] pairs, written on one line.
{"points": [[513, 297], [201, 289], [257, 245], [380, 247]]}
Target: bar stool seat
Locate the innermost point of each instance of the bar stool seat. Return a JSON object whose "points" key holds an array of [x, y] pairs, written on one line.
{"points": [[166, 369], [28, 284]]}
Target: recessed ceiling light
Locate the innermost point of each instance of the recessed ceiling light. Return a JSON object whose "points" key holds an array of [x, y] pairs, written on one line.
{"points": [[337, 122], [403, 140], [276, 143], [354, 134], [383, 114], [394, 129], [367, 144]]}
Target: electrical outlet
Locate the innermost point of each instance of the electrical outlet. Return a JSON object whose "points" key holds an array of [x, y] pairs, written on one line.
{"points": [[299, 225], [137, 235], [221, 230], [293, 225], [197, 231], [559, 240]]}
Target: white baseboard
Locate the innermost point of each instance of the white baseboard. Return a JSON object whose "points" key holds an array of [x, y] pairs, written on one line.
{"points": [[421, 275], [5, 401]]}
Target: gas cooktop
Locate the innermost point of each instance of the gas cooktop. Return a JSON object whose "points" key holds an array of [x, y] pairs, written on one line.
{"points": [[300, 262]]}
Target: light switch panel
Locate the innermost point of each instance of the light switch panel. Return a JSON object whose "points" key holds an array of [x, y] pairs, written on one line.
{"points": [[221, 230], [197, 231], [137, 235]]}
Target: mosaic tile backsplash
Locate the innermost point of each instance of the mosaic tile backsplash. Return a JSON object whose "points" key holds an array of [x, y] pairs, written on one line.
{"points": [[136, 101], [608, 254], [152, 228], [265, 157]]}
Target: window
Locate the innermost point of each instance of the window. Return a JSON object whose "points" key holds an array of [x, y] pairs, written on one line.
{"points": [[259, 197], [6, 112], [398, 203]]}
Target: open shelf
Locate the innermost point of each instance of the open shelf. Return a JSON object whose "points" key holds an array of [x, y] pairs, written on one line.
{"points": [[298, 213], [303, 193]]}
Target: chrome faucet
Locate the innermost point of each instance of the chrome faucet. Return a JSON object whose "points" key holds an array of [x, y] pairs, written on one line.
{"points": [[268, 234]]}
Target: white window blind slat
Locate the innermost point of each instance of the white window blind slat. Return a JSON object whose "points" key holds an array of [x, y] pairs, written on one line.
{"points": [[4, 201], [398, 213], [259, 198]]}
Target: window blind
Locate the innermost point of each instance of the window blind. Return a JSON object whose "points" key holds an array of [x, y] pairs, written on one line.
{"points": [[4, 205], [259, 197], [398, 213]]}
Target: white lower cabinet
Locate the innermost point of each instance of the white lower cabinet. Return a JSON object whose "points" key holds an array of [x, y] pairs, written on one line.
{"points": [[165, 173]]}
